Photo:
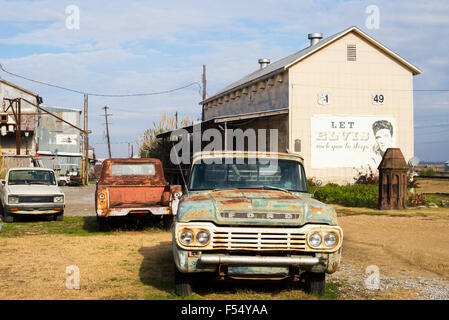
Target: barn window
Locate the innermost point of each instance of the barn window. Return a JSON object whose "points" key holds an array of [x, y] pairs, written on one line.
{"points": [[351, 52]]}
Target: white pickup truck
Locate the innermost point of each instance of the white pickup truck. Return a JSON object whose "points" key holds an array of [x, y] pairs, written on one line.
{"points": [[31, 191]]}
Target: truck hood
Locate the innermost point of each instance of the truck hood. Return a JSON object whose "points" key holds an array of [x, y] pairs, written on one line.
{"points": [[33, 190], [254, 207]]}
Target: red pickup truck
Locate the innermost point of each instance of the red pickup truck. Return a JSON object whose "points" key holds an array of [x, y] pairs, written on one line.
{"points": [[135, 186]]}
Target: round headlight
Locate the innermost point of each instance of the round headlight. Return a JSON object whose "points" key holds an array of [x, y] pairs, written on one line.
{"points": [[314, 239], [101, 196], [13, 199], [186, 237], [330, 239], [202, 237]]}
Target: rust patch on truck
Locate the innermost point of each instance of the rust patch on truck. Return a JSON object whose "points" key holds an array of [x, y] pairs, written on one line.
{"points": [[134, 185]]}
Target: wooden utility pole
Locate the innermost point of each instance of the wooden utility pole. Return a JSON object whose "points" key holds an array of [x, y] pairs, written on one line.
{"points": [[17, 112], [204, 90], [107, 129], [18, 126], [86, 143]]}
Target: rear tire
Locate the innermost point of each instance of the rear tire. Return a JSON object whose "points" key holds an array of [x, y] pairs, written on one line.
{"points": [[183, 283], [103, 224], [316, 283]]}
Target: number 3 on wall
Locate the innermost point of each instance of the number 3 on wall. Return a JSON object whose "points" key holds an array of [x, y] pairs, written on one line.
{"points": [[377, 98]]}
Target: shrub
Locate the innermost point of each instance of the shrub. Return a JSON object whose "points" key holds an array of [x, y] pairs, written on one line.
{"points": [[416, 199], [429, 172], [367, 177], [358, 195]]}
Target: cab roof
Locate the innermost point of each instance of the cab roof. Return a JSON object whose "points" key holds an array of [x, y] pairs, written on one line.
{"points": [[246, 154]]}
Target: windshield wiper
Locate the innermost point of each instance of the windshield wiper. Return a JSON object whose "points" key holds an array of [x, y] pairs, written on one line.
{"points": [[271, 188], [276, 188]]}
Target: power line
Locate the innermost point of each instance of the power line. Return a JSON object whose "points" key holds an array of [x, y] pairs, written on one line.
{"points": [[99, 94]]}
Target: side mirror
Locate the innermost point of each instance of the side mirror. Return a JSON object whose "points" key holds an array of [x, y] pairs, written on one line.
{"points": [[3, 182], [318, 183]]}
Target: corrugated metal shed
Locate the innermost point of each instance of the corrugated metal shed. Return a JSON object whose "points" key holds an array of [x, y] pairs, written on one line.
{"points": [[59, 145]]}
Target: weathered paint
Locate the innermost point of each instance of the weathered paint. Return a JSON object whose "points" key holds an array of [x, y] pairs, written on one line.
{"points": [[266, 213], [126, 193], [207, 206]]}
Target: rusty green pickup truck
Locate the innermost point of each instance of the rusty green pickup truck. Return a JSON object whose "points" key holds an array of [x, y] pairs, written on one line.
{"points": [[249, 215]]}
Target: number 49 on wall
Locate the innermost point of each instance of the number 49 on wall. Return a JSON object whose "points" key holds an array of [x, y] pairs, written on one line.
{"points": [[377, 98]]}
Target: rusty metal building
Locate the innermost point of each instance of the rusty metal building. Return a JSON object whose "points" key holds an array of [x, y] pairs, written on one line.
{"points": [[58, 144], [8, 124], [340, 102]]}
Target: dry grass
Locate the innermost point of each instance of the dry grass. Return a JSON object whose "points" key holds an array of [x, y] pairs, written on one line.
{"points": [[430, 213], [127, 265]]}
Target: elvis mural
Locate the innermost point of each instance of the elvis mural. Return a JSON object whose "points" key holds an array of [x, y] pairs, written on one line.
{"points": [[350, 141]]}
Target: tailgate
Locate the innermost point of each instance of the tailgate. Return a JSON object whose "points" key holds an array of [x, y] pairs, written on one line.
{"points": [[136, 196]]}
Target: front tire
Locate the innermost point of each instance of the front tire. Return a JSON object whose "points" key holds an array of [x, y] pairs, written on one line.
{"points": [[316, 283], [167, 222], [8, 218], [59, 216], [183, 283]]}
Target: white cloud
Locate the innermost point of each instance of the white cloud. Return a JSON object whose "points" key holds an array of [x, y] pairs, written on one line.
{"points": [[137, 46]]}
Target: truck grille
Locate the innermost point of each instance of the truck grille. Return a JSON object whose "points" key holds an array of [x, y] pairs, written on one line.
{"points": [[247, 239], [35, 199]]}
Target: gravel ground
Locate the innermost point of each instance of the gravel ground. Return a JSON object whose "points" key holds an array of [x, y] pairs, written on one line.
{"points": [[80, 201], [353, 285]]}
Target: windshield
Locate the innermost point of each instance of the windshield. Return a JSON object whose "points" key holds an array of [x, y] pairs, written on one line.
{"points": [[133, 169], [253, 174], [31, 177]]}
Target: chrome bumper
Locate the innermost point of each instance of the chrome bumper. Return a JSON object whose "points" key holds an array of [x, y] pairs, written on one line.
{"points": [[258, 260]]}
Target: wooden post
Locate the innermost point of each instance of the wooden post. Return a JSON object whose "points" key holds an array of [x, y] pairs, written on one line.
{"points": [[204, 91], [107, 130], [18, 125]]}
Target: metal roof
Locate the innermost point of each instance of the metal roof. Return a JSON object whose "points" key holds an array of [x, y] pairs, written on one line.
{"points": [[17, 87], [237, 117], [287, 62], [59, 109]]}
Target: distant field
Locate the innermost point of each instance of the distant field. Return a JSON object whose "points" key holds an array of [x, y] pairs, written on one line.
{"points": [[433, 186]]}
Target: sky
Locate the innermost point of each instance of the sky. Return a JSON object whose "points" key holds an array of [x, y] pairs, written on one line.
{"points": [[137, 46]]}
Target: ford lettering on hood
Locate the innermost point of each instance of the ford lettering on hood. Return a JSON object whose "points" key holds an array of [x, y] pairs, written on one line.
{"points": [[265, 207]]}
